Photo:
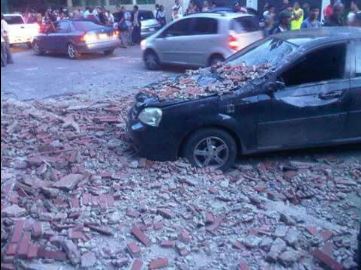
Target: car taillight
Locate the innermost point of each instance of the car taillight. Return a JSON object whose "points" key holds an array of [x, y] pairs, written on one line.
{"points": [[233, 42], [115, 34]]}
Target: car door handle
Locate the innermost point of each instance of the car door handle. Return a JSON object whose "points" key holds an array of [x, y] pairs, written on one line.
{"points": [[330, 95]]}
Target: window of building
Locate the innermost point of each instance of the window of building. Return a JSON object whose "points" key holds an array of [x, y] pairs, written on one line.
{"points": [[142, 2], [120, 2], [308, 70]]}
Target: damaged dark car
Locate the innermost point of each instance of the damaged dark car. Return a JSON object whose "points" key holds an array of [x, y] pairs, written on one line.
{"points": [[292, 90]]}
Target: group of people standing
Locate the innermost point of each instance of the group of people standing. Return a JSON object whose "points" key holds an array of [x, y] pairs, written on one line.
{"points": [[295, 17]]}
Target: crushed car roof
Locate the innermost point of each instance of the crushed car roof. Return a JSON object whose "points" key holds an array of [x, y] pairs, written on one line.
{"points": [[320, 36]]}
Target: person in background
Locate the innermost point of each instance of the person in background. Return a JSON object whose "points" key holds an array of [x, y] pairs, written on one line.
{"points": [[297, 16], [357, 22], [177, 10], [286, 6], [102, 16], [328, 10], [136, 25], [312, 20], [123, 29], [269, 21], [6, 57], [354, 9], [110, 17], [128, 20], [205, 7], [336, 19], [192, 8], [306, 9], [86, 12], [270, 11], [284, 22], [156, 9], [161, 16]]}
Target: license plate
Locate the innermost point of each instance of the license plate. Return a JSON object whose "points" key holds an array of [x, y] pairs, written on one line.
{"points": [[103, 36]]}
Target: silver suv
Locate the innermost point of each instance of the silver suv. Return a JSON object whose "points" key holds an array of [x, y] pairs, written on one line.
{"points": [[200, 39]]}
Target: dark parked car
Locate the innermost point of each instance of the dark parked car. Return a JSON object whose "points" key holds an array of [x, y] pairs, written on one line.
{"points": [[75, 37], [310, 97]]}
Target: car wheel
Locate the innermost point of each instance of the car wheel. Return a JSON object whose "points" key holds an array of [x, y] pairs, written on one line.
{"points": [[211, 147], [109, 52], [36, 48], [216, 59], [73, 52], [151, 60]]}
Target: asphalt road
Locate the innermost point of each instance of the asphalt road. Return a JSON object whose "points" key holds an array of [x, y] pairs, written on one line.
{"points": [[38, 77]]}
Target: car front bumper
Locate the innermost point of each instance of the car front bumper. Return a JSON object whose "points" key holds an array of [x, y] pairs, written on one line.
{"points": [[99, 46], [20, 39], [152, 143]]}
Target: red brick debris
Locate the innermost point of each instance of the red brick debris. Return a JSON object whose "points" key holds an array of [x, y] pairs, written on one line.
{"points": [[75, 195]]}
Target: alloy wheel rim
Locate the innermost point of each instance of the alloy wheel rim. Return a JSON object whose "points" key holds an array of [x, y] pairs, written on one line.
{"points": [[71, 51], [211, 151], [36, 48]]}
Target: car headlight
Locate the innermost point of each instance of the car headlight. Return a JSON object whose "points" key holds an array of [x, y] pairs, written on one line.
{"points": [[143, 44], [151, 116]]}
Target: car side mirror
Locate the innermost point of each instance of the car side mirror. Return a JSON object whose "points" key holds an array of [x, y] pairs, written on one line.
{"points": [[273, 86]]}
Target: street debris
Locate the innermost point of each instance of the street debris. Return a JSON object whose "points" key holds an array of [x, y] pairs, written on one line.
{"points": [[219, 80], [75, 195]]}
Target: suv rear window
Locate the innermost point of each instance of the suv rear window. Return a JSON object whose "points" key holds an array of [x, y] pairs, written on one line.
{"points": [[204, 26], [245, 24], [14, 19]]}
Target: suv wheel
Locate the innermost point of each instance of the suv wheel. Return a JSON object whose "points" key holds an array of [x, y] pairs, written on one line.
{"points": [[73, 52], [151, 60], [216, 59], [109, 52], [211, 147]]}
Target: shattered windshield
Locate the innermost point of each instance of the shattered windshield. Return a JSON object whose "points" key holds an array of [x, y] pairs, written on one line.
{"points": [[270, 51]]}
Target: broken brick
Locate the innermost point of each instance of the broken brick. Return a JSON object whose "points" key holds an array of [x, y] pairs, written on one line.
{"points": [[133, 249], [158, 263], [327, 260], [166, 213], [137, 232], [167, 244], [137, 265]]}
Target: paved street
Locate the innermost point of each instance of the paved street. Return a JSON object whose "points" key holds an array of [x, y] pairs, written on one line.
{"points": [[37, 77]]}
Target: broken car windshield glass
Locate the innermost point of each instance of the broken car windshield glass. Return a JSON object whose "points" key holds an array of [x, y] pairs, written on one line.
{"points": [[271, 51]]}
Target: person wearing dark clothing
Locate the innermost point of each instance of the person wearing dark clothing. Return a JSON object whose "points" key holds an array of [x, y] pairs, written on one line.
{"points": [[284, 22], [102, 18], [312, 20], [336, 19], [136, 22]]}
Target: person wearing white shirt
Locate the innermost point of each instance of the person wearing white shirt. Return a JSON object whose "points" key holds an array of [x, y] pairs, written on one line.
{"points": [[6, 57], [177, 10]]}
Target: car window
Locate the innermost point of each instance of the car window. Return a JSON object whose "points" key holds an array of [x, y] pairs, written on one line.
{"points": [[14, 19], [204, 26], [62, 27], [268, 51], [308, 69], [180, 28], [245, 24], [146, 15], [85, 26]]}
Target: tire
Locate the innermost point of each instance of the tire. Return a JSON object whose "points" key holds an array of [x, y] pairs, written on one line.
{"points": [[216, 59], [36, 48], [151, 60], [109, 52], [211, 147], [72, 52]]}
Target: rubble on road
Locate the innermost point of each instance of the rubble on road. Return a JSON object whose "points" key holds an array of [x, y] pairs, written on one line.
{"points": [[75, 195], [219, 80]]}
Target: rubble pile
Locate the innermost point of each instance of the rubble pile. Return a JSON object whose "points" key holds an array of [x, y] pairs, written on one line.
{"points": [[218, 80], [74, 195]]}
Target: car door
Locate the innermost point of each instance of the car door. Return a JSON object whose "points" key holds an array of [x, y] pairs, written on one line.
{"points": [[169, 44], [204, 33], [61, 36], [311, 108], [353, 123]]}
